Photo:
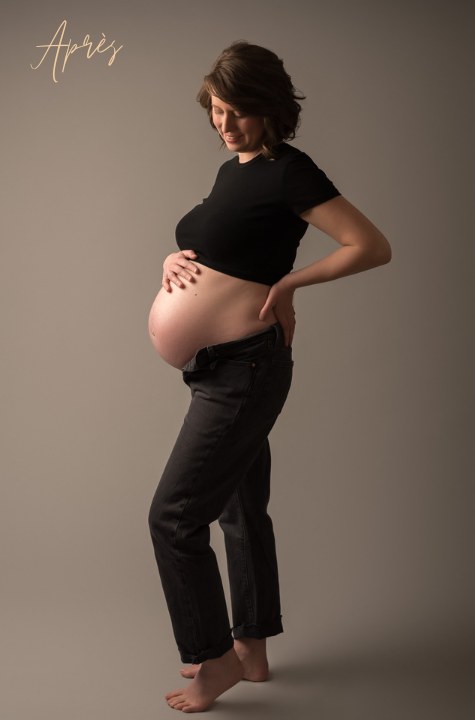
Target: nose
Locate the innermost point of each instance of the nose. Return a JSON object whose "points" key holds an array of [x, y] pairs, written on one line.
{"points": [[228, 125]]}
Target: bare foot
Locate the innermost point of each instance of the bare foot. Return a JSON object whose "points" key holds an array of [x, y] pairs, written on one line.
{"points": [[212, 678], [252, 654]]}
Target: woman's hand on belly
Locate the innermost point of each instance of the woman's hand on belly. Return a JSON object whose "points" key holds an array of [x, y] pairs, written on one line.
{"points": [[178, 264], [217, 308], [279, 300]]}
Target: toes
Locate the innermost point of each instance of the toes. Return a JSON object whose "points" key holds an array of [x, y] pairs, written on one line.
{"points": [[174, 697], [177, 698], [174, 703], [179, 705]]}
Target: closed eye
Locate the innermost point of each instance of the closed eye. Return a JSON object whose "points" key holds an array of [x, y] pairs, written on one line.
{"points": [[236, 116]]}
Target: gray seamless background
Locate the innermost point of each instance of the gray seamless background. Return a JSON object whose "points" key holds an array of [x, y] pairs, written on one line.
{"points": [[371, 457]]}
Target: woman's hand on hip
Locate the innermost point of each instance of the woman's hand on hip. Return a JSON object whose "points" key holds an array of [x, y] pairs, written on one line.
{"points": [[280, 299], [178, 264]]}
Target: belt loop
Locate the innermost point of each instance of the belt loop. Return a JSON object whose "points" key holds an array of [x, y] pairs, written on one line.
{"points": [[277, 334], [211, 353]]}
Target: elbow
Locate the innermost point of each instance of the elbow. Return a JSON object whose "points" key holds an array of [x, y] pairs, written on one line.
{"points": [[374, 252], [386, 253], [383, 253]]}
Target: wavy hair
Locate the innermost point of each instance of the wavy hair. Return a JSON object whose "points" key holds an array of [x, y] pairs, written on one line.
{"points": [[253, 80]]}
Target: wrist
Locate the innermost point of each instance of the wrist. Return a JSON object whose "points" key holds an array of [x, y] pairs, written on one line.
{"points": [[287, 283]]}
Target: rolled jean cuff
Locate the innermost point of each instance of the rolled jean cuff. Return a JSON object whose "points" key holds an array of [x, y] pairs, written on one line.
{"points": [[211, 653], [260, 631]]}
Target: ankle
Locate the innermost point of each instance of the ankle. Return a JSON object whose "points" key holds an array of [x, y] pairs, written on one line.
{"points": [[251, 647], [229, 657]]}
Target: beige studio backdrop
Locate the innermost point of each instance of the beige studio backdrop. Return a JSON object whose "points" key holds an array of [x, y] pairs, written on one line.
{"points": [[371, 454]]}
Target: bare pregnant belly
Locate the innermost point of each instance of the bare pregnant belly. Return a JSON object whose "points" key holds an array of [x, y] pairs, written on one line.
{"points": [[215, 308]]}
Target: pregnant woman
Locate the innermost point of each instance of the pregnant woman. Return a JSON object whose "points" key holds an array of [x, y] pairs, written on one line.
{"points": [[225, 318]]}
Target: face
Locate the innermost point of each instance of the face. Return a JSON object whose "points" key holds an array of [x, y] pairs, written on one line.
{"points": [[246, 129]]}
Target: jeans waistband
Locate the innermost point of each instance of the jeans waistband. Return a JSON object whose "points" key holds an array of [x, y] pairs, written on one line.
{"points": [[208, 354]]}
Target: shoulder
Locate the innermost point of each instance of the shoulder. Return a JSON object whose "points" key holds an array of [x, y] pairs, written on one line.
{"points": [[288, 151], [294, 157], [305, 184], [227, 164], [285, 153], [225, 170]]}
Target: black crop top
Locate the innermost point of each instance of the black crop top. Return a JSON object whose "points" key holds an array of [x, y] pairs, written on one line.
{"points": [[249, 225]]}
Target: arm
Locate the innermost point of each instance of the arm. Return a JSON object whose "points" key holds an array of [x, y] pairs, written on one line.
{"points": [[364, 247]]}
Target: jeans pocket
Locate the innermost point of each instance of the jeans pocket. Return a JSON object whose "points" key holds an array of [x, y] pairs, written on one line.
{"points": [[243, 356], [222, 381], [275, 389]]}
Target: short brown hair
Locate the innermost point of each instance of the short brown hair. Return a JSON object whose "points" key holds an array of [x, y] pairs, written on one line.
{"points": [[253, 80]]}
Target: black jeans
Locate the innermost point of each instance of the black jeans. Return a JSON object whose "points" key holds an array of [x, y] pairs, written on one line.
{"points": [[220, 469]]}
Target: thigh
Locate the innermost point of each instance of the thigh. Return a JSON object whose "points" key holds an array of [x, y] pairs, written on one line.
{"points": [[274, 381], [215, 445], [218, 393]]}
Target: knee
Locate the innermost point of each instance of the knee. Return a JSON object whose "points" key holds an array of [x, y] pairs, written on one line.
{"points": [[163, 521]]}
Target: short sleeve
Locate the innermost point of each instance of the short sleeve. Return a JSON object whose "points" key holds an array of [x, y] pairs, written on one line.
{"points": [[306, 185]]}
